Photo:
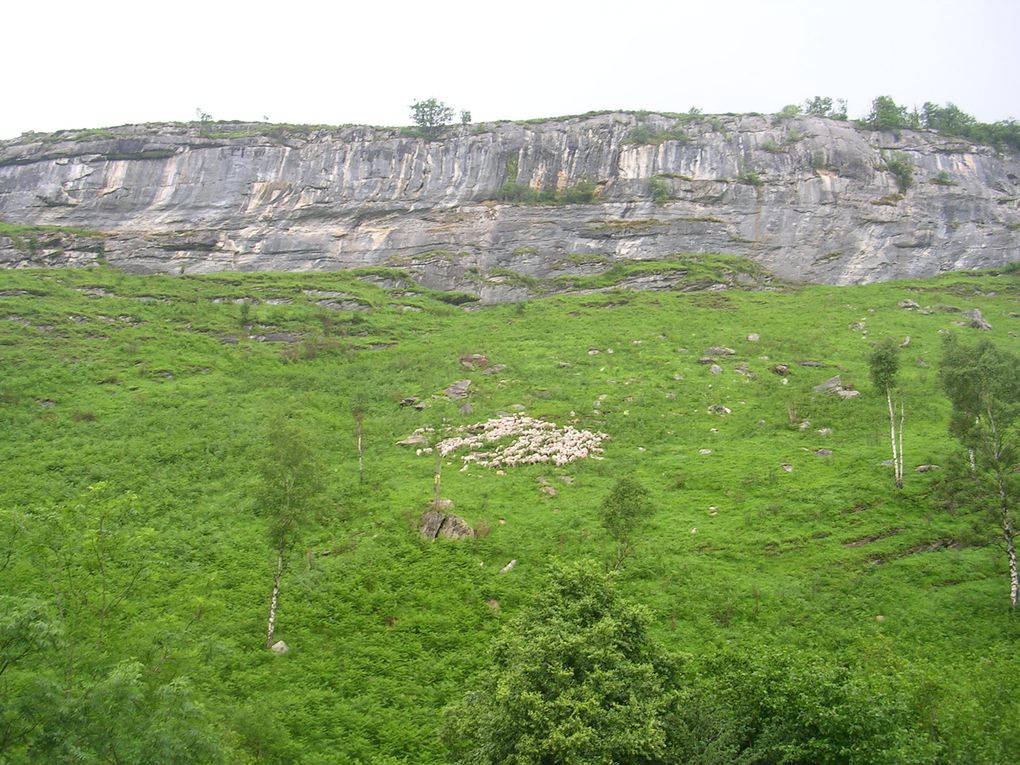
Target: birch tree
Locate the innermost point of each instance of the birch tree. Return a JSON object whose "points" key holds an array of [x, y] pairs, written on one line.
{"points": [[884, 365], [983, 386], [622, 512], [290, 483]]}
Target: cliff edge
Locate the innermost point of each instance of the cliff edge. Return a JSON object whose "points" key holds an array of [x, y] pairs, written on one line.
{"points": [[808, 198]]}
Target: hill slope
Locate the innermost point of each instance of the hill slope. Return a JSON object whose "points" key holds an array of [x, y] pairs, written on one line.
{"points": [[777, 525]]}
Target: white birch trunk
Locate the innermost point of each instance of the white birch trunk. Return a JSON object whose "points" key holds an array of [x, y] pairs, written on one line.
{"points": [[361, 453], [1014, 582], [903, 416], [892, 439], [274, 602]]}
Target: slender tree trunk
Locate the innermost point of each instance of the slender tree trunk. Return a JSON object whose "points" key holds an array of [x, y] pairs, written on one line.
{"points": [[358, 417], [903, 416], [1007, 535], [1014, 582], [274, 602], [892, 439], [437, 480]]}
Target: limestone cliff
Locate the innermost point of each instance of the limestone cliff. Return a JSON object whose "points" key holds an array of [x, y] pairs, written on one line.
{"points": [[810, 199]]}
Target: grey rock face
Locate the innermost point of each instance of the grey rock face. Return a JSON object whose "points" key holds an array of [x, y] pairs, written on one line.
{"points": [[808, 198]]}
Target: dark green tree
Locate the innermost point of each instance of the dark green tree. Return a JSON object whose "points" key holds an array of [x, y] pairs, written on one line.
{"points": [[886, 114], [983, 386], [902, 167], [575, 680], [946, 119], [822, 106], [790, 707], [430, 117], [884, 364], [290, 482], [624, 510]]}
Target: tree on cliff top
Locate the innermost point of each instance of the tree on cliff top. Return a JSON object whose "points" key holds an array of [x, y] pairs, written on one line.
{"points": [[430, 117]]}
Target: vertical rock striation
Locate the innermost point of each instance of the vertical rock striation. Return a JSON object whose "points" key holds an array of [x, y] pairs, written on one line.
{"points": [[810, 199]]}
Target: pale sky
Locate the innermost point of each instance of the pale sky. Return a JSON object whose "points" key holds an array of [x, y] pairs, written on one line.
{"points": [[75, 64]]}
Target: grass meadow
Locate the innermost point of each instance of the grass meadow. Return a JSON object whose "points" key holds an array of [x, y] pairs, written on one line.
{"points": [[157, 392]]}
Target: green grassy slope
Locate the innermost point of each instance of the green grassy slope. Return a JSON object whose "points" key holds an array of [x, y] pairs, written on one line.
{"points": [[159, 386]]}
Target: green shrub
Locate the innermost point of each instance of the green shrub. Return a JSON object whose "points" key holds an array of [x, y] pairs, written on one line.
{"points": [[750, 177], [582, 192], [901, 166], [642, 135], [886, 114], [660, 190]]}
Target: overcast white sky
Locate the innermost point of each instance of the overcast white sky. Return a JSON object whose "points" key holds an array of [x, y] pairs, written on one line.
{"points": [[107, 62]]}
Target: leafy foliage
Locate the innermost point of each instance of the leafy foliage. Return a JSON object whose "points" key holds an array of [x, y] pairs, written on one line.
{"points": [[983, 385], [622, 513], [430, 117], [642, 135], [800, 709], [886, 114], [582, 192], [902, 167], [291, 478], [884, 363], [822, 106], [660, 190], [575, 679]]}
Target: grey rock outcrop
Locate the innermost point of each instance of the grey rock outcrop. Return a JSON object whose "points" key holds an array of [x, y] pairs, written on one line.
{"points": [[435, 524], [808, 198]]}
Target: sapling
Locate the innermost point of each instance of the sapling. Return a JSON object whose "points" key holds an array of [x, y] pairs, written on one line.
{"points": [[884, 365]]}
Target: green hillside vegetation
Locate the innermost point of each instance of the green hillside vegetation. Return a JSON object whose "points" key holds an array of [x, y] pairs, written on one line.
{"points": [[794, 604]]}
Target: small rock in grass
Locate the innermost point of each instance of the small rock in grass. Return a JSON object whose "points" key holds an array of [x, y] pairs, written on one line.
{"points": [[977, 321], [413, 440], [279, 648], [458, 389], [823, 452], [508, 567], [455, 527], [829, 385]]}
